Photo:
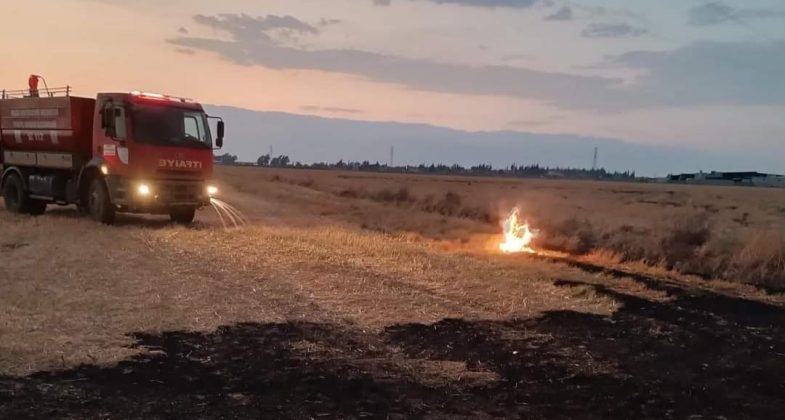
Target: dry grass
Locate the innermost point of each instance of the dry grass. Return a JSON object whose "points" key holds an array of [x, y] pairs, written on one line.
{"points": [[71, 290], [730, 233], [408, 291]]}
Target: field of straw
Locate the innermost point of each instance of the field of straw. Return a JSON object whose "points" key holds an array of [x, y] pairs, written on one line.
{"points": [[350, 295], [731, 233]]}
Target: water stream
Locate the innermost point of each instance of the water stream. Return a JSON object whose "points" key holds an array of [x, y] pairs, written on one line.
{"points": [[228, 214]]}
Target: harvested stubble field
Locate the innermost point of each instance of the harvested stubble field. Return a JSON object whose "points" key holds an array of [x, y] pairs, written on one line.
{"points": [[364, 295], [732, 233]]}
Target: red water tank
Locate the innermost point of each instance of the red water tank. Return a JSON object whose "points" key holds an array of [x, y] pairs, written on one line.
{"points": [[47, 124]]}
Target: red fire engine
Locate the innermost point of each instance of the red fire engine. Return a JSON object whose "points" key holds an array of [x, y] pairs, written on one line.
{"points": [[120, 152]]}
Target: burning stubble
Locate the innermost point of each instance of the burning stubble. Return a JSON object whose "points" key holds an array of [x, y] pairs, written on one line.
{"points": [[517, 236]]}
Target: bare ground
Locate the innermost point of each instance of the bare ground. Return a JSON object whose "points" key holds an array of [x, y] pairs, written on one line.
{"points": [[333, 307]]}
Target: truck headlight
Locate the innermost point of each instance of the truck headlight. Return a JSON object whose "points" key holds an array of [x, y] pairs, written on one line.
{"points": [[143, 189], [212, 190]]}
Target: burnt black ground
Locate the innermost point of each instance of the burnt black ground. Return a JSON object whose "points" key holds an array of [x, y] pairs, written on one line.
{"points": [[697, 355]]}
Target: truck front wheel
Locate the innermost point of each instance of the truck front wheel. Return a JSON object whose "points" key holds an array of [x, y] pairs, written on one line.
{"points": [[99, 204], [182, 215], [16, 199]]}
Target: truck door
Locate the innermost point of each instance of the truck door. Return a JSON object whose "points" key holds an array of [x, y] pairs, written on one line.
{"points": [[114, 148]]}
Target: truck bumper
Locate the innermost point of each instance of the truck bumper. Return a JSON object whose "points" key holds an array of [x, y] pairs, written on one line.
{"points": [[159, 196]]}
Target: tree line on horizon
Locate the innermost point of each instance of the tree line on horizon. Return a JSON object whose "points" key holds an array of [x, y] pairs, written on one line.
{"points": [[535, 170]]}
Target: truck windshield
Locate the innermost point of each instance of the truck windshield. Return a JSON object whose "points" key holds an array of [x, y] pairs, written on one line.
{"points": [[165, 125]]}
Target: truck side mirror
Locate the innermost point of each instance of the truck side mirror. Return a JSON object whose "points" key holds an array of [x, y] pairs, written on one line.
{"points": [[108, 120], [103, 118], [219, 141]]}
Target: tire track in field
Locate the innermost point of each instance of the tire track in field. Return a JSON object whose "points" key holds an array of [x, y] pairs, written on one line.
{"points": [[301, 290], [261, 210], [345, 269]]}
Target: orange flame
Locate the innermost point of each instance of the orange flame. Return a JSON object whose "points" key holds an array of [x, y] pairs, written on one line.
{"points": [[517, 236]]}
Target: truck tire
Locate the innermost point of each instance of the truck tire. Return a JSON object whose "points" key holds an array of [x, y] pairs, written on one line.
{"points": [[98, 202], [16, 199], [182, 215]]}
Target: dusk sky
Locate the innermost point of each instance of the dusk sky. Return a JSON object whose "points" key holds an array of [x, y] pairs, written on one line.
{"points": [[702, 75]]}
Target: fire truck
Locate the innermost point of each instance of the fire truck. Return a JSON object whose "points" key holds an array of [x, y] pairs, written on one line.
{"points": [[129, 152]]}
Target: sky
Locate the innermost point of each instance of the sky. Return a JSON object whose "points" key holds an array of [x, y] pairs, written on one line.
{"points": [[703, 75]]}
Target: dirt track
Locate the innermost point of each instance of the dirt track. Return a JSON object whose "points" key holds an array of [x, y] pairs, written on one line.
{"points": [[312, 312]]}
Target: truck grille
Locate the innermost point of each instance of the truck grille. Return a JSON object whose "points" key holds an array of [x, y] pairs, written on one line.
{"points": [[178, 174], [172, 191], [165, 193]]}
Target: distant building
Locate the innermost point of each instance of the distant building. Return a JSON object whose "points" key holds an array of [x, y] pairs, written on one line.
{"points": [[757, 179]]}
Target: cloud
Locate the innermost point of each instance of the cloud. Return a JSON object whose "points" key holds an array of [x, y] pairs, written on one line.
{"points": [[528, 124], [571, 90], [740, 73], [247, 28], [182, 30], [489, 3], [716, 12], [518, 57], [330, 109], [612, 30], [518, 4], [565, 13], [705, 73], [328, 22]]}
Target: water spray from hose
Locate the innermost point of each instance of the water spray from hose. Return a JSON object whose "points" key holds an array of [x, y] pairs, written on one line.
{"points": [[228, 214]]}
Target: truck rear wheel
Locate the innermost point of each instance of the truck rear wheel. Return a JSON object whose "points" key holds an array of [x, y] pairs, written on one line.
{"points": [[182, 215], [14, 194], [99, 204], [16, 199]]}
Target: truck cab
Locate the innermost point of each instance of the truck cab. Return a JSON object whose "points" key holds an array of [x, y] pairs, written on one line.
{"points": [[120, 152], [155, 154]]}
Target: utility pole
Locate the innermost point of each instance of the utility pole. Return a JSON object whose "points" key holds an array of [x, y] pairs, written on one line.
{"points": [[392, 156], [271, 151], [594, 162]]}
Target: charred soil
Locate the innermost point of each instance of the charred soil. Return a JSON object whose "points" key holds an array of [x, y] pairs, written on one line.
{"points": [[330, 306]]}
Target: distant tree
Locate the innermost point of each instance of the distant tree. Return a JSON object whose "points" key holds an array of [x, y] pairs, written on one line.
{"points": [[225, 159], [280, 161], [484, 169], [264, 160]]}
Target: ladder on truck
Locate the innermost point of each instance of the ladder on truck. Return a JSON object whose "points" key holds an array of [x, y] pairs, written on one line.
{"points": [[33, 92], [26, 93]]}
